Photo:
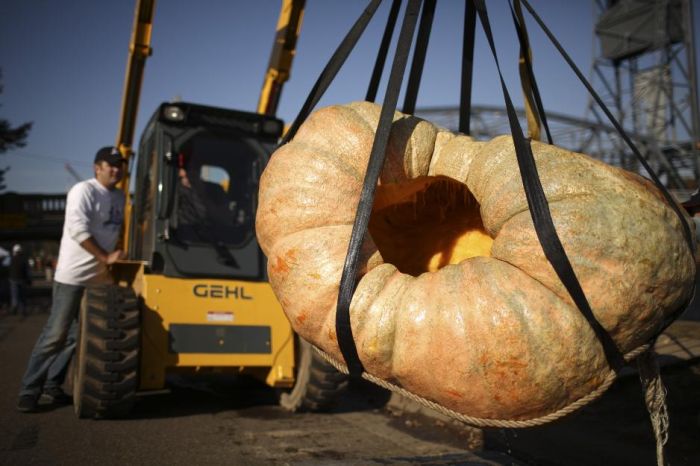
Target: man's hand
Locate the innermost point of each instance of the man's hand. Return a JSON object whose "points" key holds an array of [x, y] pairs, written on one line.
{"points": [[91, 246], [114, 256]]}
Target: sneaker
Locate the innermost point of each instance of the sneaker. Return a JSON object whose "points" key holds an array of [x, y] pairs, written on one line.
{"points": [[57, 396], [27, 403]]}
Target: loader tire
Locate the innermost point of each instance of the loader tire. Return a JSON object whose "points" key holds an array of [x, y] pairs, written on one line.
{"points": [[105, 365], [318, 384]]}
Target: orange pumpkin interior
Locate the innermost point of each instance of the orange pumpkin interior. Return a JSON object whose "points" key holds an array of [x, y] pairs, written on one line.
{"points": [[427, 223]]}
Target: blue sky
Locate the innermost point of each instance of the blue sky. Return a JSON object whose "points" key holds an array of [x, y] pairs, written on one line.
{"points": [[63, 66]]}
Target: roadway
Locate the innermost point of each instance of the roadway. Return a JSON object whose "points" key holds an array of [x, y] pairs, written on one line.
{"points": [[220, 420], [223, 420]]}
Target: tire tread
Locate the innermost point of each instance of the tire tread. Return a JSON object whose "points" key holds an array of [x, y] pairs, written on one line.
{"points": [[109, 377]]}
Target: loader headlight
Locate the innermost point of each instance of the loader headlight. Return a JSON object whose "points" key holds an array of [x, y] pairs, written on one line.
{"points": [[173, 113]]}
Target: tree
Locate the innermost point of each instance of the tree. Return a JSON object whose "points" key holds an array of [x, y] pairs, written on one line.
{"points": [[10, 138]]}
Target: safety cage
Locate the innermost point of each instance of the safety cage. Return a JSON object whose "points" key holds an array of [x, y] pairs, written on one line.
{"points": [[196, 186]]}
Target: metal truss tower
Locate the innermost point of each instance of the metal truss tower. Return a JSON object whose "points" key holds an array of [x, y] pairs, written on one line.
{"points": [[645, 71]]}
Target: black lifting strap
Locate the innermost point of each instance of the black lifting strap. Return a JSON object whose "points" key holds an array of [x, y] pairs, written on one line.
{"points": [[348, 281], [525, 52], [465, 96], [383, 50], [541, 216], [419, 52], [686, 228], [332, 68]]}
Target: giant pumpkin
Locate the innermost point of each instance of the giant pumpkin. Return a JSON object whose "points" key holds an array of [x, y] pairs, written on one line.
{"points": [[456, 301]]}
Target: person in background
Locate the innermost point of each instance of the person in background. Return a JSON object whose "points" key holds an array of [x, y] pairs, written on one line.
{"points": [[20, 280], [5, 259], [93, 221], [48, 269]]}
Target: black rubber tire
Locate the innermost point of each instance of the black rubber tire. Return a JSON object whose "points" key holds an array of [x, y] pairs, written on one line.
{"points": [[318, 384], [106, 361]]}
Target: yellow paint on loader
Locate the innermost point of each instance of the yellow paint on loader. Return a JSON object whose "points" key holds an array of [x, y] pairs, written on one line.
{"points": [[165, 301]]}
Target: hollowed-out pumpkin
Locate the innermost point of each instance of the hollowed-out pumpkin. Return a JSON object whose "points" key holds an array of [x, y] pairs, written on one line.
{"points": [[456, 301]]}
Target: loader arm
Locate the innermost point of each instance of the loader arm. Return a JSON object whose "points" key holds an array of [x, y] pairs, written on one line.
{"points": [[139, 51], [283, 51]]}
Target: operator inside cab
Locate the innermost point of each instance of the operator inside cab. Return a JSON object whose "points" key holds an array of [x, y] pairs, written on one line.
{"points": [[212, 202]]}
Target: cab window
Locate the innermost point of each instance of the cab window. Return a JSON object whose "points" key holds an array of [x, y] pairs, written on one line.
{"points": [[216, 189]]}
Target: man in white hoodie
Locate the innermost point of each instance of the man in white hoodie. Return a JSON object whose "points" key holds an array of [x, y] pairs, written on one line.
{"points": [[93, 221]]}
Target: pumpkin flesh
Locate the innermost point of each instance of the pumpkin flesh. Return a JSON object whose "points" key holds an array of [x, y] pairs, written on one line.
{"points": [[427, 223]]}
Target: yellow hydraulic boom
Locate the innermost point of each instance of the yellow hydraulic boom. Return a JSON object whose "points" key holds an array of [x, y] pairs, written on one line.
{"points": [[139, 51], [278, 70]]}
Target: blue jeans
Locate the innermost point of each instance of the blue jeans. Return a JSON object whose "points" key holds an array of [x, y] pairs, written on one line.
{"points": [[53, 350]]}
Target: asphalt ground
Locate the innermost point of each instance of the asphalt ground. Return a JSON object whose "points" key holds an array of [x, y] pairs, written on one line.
{"points": [[222, 421]]}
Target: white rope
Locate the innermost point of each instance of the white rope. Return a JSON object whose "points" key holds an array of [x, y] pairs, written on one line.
{"points": [[501, 423], [655, 399]]}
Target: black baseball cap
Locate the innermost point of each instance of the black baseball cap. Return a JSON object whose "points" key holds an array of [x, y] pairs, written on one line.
{"points": [[109, 154]]}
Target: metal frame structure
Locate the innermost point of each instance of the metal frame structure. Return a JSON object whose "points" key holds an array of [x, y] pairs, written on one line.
{"points": [[665, 77], [595, 138], [650, 84]]}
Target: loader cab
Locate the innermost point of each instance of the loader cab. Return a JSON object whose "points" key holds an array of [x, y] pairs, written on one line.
{"points": [[196, 191]]}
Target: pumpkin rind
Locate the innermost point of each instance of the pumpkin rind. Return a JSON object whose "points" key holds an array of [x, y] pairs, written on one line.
{"points": [[492, 337]]}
